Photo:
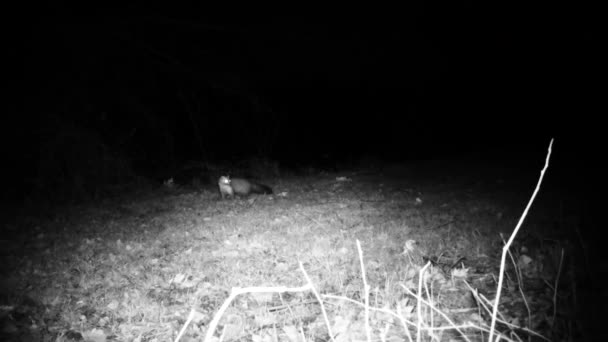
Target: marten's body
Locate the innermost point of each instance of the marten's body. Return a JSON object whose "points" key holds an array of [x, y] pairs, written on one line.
{"points": [[241, 187]]}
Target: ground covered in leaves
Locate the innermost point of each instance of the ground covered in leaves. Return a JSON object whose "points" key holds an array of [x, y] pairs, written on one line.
{"points": [[145, 267]]}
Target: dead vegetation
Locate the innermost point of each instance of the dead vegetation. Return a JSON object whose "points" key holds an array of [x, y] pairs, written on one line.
{"points": [[347, 257]]}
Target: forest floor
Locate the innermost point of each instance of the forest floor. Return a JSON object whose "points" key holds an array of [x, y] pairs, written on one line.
{"points": [[147, 266]]}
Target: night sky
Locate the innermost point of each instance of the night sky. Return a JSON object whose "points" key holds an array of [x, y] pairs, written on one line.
{"points": [[161, 86]]}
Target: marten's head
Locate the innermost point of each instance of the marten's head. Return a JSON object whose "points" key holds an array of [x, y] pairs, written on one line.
{"points": [[224, 180]]}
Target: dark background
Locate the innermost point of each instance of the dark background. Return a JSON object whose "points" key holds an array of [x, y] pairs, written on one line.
{"points": [[106, 94]]}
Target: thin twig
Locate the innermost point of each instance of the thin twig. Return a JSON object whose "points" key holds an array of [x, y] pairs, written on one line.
{"points": [[388, 312], [429, 304], [402, 320], [314, 290], [559, 272], [508, 245], [405, 322], [239, 291], [366, 289], [481, 299], [183, 330], [520, 282], [419, 297]]}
